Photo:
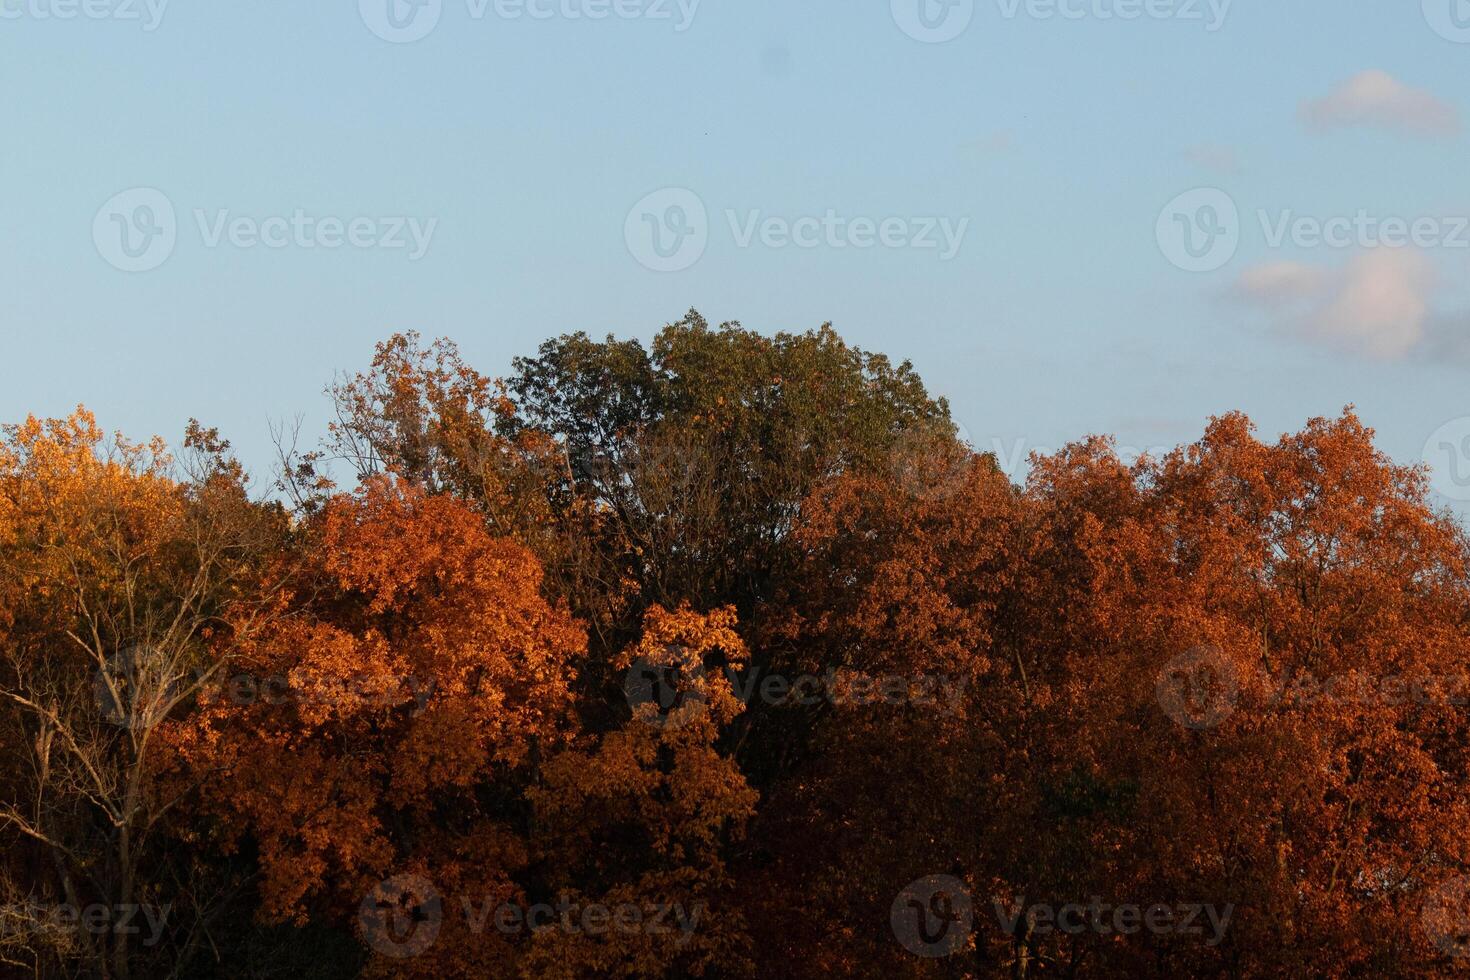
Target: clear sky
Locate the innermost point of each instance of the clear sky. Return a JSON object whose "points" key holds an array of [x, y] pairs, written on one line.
{"points": [[490, 181]]}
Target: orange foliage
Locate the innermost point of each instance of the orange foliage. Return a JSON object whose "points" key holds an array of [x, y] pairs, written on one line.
{"points": [[417, 669], [1230, 679]]}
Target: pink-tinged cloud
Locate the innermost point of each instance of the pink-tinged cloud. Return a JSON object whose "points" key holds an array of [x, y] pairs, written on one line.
{"points": [[1376, 99], [1377, 305], [1381, 305]]}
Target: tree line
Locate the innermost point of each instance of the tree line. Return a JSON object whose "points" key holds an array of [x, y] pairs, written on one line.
{"points": [[723, 656]]}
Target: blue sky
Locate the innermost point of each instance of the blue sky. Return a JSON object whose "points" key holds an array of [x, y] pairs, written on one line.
{"points": [[520, 149]]}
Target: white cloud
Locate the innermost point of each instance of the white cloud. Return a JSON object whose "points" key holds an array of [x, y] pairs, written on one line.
{"points": [[1377, 99], [1376, 305]]}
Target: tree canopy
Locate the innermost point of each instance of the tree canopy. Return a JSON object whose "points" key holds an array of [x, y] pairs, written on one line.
{"points": [[724, 656]]}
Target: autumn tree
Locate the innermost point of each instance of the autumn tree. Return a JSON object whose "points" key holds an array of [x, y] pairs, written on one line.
{"points": [[736, 628], [909, 758], [697, 452], [670, 473], [646, 814], [392, 718], [1238, 628], [123, 591], [1230, 677]]}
